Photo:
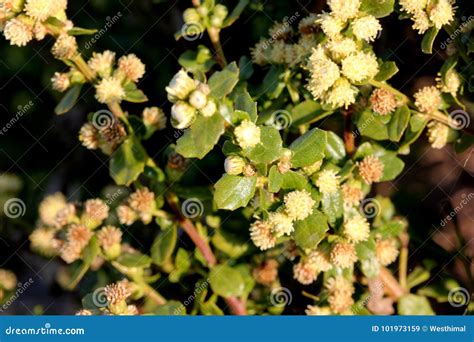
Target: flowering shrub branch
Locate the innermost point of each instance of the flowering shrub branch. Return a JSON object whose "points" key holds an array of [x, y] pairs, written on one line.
{"points": [[305, 194]]}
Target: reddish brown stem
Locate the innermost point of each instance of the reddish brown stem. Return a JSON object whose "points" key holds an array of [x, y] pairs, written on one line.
{"points": [[349, 139], [237, 306], [202, 245], [391, 285]]}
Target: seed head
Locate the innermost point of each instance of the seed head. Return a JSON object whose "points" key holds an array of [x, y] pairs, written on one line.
{"points": [[116, 293], [343, 255], [18, 32], [305, 272], [155, 117], [109, 237], [65, 47], [357, 229], [43, 241], [60, 82], [386, 251], [371, 169], [102, 64], [352, 195], [126, 215], [383, 101], [50, 206], [340, 294], [261, 235]]}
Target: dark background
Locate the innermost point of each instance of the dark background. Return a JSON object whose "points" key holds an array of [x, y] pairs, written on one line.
{"points": [[43, 150]]}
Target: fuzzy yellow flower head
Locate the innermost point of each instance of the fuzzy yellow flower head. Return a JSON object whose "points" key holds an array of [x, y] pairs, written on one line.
{"points": [[342, 94], [102, 64], [247, 134], [155, 117], [451, 83], [340, 294], [340, 48], [281, 224], [327, 181], [366, 28], [413, 6], [261, 235], [132, 67], [428, 99], [357, 229], [360, 66], [313, 310], [60, 81], [110, 90], [43, 9], [352, 195], [18, 32], [320, 259], [43, 241], [441, 13], [50, 206], [65, 47], [324, 73], [330, 24], [8, 279], [299, 204], [344, 9]]}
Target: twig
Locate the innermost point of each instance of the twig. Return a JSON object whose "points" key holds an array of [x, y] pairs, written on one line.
{"points": [[202, 245], [349, 139], [403, 261], [216, 42], [391, 285]]}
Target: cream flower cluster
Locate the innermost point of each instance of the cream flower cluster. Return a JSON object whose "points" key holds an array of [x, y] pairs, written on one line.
{"points": [[283, 46], [298, 205], [340, 64], [426, 14], [190, 98], [66, 230], [23, 21], [110, 87]]}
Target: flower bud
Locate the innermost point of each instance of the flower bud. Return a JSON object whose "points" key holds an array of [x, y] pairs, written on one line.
{"points": [[216, 21], [180, 86], [209, 109], [109, 239], [234, 165], [60, 82], [190, 15], [203, 11], [198, 99], [220, 11], [154, 117], [182, 115]]}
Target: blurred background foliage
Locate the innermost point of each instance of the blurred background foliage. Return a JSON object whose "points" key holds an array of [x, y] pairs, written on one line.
{"points": [[43, 151]]}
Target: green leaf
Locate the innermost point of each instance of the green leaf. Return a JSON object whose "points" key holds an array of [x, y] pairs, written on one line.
{"points": [[244, 102], [371, 125], [231, 244], [223, 82], [128, 162], [201, 138], [88, 255], [236, 12], [182, 265], [164, 245], [69, 100], [269, 148], [134, 260], [398, 123], [311, 231], [249, 281], [332, 206], [377, 8], [418, 276], [416, 127], [288, 180], [335, 148], [211, 309], [366, 250], [428, 40], [226, 282], [199, 61], [133, 94], [387, 71], [79, 31], [306, 111], [309, 148], [171, 308], [233, 192], [413, 305], [393, 166]]}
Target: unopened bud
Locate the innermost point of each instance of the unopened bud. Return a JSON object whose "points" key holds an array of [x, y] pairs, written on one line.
{"points": [[234, 165], [182, 115]]}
